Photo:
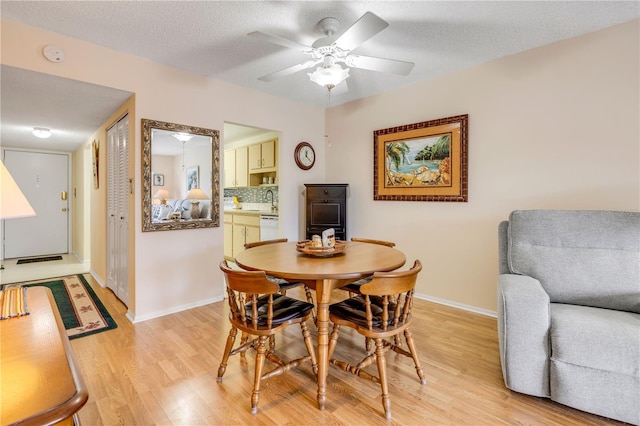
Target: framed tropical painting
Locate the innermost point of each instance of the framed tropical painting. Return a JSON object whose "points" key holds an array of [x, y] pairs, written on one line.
{"points": [[424, 161]]}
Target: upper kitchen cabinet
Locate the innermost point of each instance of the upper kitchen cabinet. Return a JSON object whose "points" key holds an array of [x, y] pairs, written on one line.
{"points": [[262, 157], [236, 173]]}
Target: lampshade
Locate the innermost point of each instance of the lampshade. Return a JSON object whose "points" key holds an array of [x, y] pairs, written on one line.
{"points": [[197, 194], [41, 132], [161, 194], [13, 203], [330, 74], [182, 137]]}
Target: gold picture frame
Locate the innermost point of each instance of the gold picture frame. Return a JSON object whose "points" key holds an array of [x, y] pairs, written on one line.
{"points": [[424, 161]]}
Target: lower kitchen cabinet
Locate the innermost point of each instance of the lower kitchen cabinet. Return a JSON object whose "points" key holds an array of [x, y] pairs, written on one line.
{"points": [[227, 230], [239, 229]]}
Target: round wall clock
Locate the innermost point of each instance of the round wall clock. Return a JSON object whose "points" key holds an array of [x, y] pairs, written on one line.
{"points": [[304, 155]]}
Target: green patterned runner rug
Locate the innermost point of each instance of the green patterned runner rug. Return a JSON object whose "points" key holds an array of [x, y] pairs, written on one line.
{"points": [[81, 310]]}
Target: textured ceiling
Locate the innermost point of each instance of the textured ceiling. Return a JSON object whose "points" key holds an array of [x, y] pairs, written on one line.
{"points": [[73, 110], [210, 38]]}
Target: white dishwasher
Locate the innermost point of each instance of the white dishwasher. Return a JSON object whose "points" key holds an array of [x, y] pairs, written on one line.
{"points": [[268, 227]]}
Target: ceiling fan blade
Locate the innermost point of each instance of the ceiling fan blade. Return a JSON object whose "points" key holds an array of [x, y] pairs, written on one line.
{"points": [[379, 64], [362, 30], [280, 41], [288, 71]]}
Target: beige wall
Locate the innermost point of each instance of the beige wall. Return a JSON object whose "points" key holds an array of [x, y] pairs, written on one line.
{"points": [[173, 270], [81, 183], [77, 206], [553, 128]]}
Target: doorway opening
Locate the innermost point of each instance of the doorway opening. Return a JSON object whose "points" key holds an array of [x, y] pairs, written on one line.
{"points": [[251, 184]]}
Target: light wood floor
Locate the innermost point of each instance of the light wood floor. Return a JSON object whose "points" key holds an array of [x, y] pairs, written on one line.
{"points": [[163, 372]]}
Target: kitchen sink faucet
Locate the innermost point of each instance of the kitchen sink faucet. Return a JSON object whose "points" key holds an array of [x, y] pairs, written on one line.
{"points": [[266, 198]]}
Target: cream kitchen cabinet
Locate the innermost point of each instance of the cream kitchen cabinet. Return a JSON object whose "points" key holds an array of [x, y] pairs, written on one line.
{"points": [[245, 229], [262, 156], [236, 172], [227, 229]]}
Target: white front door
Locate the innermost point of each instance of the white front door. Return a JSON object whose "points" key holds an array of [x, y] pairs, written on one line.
{"points": [[44, 180]]}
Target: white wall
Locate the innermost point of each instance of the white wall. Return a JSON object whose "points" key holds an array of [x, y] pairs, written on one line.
{"points": [[556, 127], [165, 165]]}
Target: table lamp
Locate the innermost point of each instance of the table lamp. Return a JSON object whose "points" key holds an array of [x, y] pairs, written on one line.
{"points": [[13, 203], [162, 195], [195, 195]]}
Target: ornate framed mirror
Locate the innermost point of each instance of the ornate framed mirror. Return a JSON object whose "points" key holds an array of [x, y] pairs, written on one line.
{"points": [[180, 176]]}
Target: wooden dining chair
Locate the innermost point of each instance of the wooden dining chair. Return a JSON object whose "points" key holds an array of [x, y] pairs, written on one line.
{"points": [[265, 242], [354, 287], [381, 310], [370, 241], [284, 284], [258, 309]]}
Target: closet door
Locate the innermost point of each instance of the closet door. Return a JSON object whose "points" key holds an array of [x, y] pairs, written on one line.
{"points": [[118, 209]]}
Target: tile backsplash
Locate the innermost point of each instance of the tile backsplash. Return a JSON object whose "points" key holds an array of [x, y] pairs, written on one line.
{"points": [[252, 194]]}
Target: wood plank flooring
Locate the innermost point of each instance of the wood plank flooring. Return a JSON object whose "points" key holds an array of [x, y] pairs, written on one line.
{"points": [[163, 372]]}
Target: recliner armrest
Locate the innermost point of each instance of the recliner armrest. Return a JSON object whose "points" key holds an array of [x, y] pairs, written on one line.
{"points": [[523, 333]]}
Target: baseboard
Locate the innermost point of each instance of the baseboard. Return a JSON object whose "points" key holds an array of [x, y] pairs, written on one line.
{"points": [[80, 259], [456, 305], [97, 278], [134, 319], [139, 318]]}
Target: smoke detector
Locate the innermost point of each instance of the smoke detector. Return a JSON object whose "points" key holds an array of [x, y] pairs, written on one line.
{"points": [[53, 53]]}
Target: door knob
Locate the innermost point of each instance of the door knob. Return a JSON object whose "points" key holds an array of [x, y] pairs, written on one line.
{"points": [[63, 195], [64, 209]]}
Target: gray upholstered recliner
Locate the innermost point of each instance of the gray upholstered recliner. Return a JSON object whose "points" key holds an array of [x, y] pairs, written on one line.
{"points": [[569, 308]]}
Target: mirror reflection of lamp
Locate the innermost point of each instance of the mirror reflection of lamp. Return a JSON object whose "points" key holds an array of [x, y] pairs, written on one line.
{"points": [[13, 203], [162, 195], [195, 195]]}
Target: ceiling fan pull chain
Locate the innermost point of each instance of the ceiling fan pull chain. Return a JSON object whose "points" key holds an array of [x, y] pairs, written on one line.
{"points": [[328, 105]]}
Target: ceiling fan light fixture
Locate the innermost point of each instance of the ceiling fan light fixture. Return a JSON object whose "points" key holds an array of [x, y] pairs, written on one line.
{"points": [[329, 76], [41, 132], [182, 137]]}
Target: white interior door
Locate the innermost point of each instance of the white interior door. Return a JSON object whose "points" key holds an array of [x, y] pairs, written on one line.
{"points": [[118, 209], [44, 180]]}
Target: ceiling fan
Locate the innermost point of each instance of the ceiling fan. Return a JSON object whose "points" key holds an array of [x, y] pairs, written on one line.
{"points": [[331, 50]]}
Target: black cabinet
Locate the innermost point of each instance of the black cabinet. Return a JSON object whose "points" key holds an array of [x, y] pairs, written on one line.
{"points": [[326, 207]]}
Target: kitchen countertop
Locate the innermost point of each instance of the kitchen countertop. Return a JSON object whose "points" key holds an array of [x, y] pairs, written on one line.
{"points": [[251, 212]]}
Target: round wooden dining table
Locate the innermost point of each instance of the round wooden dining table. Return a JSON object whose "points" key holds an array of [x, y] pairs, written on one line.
{"points": [[324, 274]]}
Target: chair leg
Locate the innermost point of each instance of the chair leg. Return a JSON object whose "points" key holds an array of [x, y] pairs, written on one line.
{"points": [[333, 340], [414, 354], [314, 314], [243, 340], [260, 357], [272, 342], [227, 350], [368, 345], [309, 344], [382, 374]]}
